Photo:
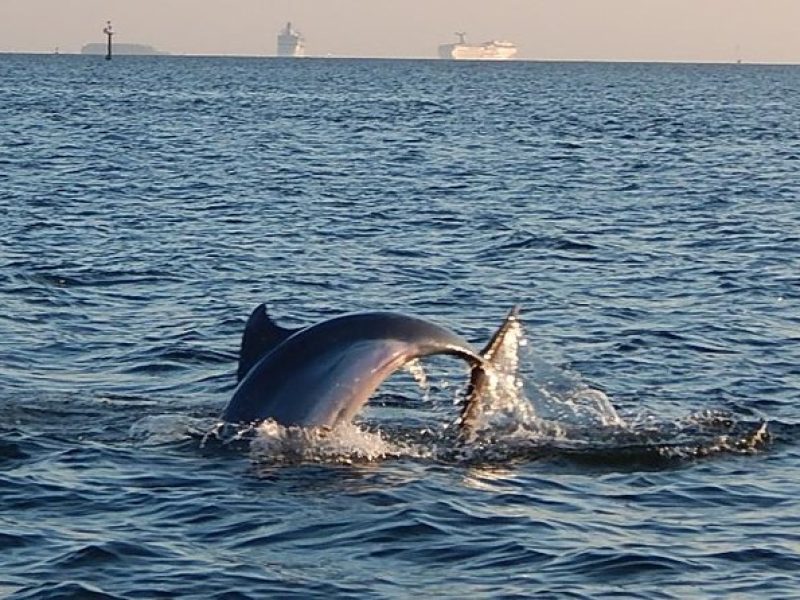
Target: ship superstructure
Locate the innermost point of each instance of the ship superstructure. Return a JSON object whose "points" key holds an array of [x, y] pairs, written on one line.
{"points": [[291, 42], [491, 50]]}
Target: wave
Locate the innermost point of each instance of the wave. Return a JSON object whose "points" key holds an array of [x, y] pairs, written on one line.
{"points": [[51, 590]]}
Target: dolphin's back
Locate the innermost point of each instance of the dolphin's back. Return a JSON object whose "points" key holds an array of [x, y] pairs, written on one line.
{"points": [[324, 374]]}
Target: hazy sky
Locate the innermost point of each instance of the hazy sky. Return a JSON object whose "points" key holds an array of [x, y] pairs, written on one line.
{"points": [[662, 30]]}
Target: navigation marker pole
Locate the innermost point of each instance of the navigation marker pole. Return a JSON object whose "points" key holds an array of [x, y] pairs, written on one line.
{"points": [[109, 32]]}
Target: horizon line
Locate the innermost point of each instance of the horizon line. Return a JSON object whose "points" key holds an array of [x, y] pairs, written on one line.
{"points": [[167, 54]]}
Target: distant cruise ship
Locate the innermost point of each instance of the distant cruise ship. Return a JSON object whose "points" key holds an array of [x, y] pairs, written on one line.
{"points": [[290, 42], [492, 50]]}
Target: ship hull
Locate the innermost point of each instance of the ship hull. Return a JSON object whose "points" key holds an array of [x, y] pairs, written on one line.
{"points": [[291, 47], [487, 51]]}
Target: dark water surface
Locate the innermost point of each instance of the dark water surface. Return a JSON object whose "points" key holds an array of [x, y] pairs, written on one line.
{"points": [[646, 217]]}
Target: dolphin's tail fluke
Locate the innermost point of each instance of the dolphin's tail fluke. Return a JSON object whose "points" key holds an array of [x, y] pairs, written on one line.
{"points": [[479, 379]]}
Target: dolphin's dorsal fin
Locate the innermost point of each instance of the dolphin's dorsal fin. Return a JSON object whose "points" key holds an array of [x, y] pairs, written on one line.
{"points": [[261, 335]]}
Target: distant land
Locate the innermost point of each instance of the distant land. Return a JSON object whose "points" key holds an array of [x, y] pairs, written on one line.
{"points": [[126, 49]]}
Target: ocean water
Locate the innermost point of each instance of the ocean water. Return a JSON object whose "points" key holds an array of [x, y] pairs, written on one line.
{"points": [[643, 440]]}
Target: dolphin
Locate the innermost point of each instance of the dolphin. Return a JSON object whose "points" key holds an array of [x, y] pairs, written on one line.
{"points": [[322, 375]]}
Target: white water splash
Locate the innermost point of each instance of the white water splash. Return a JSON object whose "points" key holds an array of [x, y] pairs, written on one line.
{"points": [[582, 407], [346, 443], [507, 409]]}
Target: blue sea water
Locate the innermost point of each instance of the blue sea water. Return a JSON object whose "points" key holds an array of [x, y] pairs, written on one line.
{"points": [[645, 217]]}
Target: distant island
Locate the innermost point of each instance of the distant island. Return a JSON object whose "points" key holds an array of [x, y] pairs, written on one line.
{"points": [[126, 49]]}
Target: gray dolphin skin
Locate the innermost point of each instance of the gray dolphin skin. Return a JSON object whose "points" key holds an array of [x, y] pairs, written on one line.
{"points": [[320, 376]]}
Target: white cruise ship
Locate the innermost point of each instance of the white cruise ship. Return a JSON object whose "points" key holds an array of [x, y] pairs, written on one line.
{"points": [[492, 50], [290, 42]]}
